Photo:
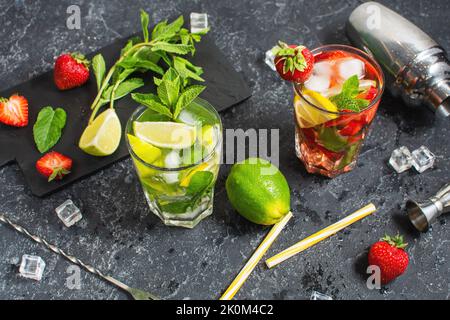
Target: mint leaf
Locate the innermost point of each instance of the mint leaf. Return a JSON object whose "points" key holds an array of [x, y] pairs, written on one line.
{"points": [[200, 181], [350, 87], [346, 100], [187, 97], [48, 127], [123, 89], [144, 23], [166, 31], [331, 140], [172, 47], [152, 102], [99, 67], [181, 67], [168, 92]]}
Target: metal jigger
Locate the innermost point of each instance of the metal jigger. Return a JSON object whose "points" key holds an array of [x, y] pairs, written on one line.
{"points": [[416, 67], [423, 214]]}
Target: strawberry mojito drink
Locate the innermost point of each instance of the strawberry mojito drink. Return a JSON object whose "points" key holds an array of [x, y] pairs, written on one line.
{"points": [[335, 101]]}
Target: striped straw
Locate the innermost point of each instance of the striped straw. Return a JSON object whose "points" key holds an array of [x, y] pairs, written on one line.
{"points": [[255, 258], [321, 235]]}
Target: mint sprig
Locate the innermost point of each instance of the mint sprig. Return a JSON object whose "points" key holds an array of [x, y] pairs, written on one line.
{"points": [[172, 96], [347, 99]]}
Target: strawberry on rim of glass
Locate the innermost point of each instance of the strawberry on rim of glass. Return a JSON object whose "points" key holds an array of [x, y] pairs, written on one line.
{"points": [[337, 92]]}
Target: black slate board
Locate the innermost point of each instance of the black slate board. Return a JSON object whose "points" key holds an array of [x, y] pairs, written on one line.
{"points": [[225, 88]]}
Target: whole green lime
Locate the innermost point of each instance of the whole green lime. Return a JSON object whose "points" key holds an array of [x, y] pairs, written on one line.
{"points": [[258, 191]]}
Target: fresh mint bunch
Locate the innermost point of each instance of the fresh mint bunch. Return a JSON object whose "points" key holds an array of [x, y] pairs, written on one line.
{"points": [[156, 51], [347, 99], [172, 95]]}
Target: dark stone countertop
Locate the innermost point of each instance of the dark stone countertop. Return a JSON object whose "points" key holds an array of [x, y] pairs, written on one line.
{"points": [[118, 234]]}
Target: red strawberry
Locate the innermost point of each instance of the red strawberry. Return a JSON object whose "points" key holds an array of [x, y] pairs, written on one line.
{"points": [[54, 165], [371, 93], [294, 63], [71, 70], [14, 111], [389, 255]]}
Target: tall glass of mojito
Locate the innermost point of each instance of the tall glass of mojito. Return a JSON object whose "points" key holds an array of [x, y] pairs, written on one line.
{"points": [[335, 107], [177, 161]]}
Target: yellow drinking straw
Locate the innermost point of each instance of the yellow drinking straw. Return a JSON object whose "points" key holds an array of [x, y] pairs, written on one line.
{"points": [[255, 258], [321, 235]]}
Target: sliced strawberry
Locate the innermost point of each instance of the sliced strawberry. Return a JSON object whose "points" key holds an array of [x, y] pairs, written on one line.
{"points": [[371, 93], [352, 128], [54, 165], [14, 111], [333, 55], [343, 120]]}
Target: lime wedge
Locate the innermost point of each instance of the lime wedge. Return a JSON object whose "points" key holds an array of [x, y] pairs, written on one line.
{"points": [[102, 137], [144, 150], [170, 135], [309, 116], [207, 135]]}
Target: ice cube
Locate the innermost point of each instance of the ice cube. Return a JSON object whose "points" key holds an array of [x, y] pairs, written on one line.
{"points": [[199, 21], [350, 67], [269, 59], [367, 84], [69, 213], [172, 160], [319, 296], [319, 83], [401, 159], [32, 267], [322, 68], [422, 159]]}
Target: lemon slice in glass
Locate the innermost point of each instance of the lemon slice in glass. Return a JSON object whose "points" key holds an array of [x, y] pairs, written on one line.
{"points": [[144, 150], [169, 135], [102, 136], [309, 116]]}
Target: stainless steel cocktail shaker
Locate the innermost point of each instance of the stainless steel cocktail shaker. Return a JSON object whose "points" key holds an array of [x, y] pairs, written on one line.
{"points": [[423, 214], [415, 66]]}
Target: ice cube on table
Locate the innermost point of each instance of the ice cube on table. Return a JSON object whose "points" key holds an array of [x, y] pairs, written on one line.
{"points": [[269, 59], [319, 83], [319, 296], [401, 159], [351, 66], [199, 21], [32, 267], [68, 213], [422, 159]]}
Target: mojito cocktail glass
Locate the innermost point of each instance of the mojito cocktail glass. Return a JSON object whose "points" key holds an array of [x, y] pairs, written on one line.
{"points": [[335, 107], [178, 182]]}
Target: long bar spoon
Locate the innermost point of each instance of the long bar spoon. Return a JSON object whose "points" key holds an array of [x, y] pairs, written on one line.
{"points": [[137, 294]]}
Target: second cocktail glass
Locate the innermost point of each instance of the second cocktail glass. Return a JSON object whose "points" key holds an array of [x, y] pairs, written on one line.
{"points": [[335, 107], [178, 183]]}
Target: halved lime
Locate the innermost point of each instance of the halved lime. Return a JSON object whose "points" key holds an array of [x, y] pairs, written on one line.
{"points": [[170, 135], [307, 115], [102, 136]]}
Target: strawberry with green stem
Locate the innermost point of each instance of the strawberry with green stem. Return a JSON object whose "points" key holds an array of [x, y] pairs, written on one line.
{"points": [[71, 70], [390, 256], [293, 63]]}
